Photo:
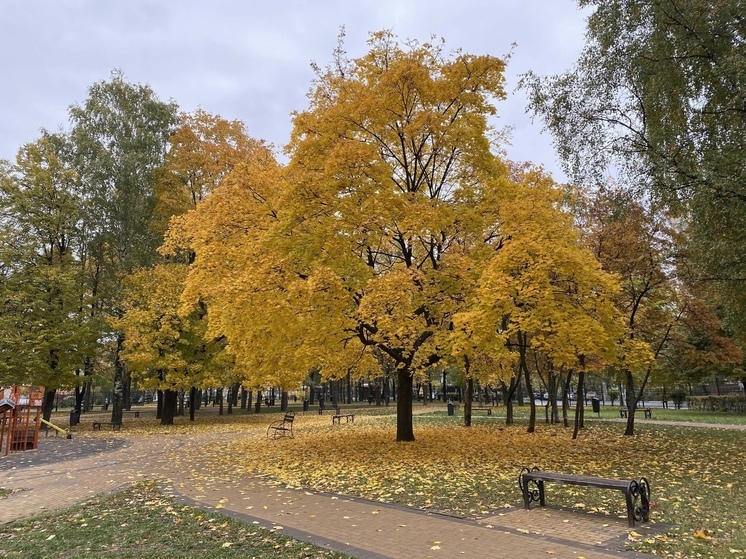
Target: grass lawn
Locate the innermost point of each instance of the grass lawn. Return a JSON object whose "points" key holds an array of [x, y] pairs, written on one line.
{"points": [[141, 522], [670, 414]]}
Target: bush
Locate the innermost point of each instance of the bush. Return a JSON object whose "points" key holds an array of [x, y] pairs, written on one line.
{"points": [[728, 403], [678, 397]]}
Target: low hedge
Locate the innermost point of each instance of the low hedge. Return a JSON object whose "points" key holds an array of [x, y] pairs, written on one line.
{"points": [[729, 402]]}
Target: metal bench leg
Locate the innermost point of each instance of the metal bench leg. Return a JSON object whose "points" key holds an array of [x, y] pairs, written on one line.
{"points": [[644, 487], [630, 506], [523, 484], [531, 495]]}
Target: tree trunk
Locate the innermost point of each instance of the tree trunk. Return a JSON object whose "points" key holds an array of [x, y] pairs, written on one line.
{"points": [[631, 404], [159, 405], [80, 393], [553, 380], [469, 393], [284, 400], [170, 398], [468, 397], [508, 393], [118, 402], [522, 342], [47, 404], [126, 390], [404, 429], [566, 398], [219, 396], [192, 402], [579, 405], [88, 374]]}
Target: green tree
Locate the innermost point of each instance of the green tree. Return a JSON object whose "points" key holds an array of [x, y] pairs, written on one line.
{"points": [[164, 349], [119, 137], [45, 326], [659, 95]]}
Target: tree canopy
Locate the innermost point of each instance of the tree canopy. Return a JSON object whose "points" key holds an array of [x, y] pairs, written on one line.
{"points": [[393, 207]]}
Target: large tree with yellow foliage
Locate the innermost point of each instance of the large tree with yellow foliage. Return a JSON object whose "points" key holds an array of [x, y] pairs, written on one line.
{"points": [[358, 243], [540, 290], [392, 181], [165, 346], [377, 231]]}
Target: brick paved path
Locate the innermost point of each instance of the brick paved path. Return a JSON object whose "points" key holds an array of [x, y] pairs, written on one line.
{"points": [[65, 472]]}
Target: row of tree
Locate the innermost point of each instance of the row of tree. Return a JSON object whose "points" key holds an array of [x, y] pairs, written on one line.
{"points": [[396, 238]]}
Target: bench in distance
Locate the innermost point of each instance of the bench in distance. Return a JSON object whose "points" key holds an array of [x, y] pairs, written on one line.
{"points": [[647, 411], [349, 417], [636, 493], [482, 408], [111, 425]]}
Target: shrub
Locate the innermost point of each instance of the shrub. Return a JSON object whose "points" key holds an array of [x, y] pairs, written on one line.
{"points": [[728, 403]]}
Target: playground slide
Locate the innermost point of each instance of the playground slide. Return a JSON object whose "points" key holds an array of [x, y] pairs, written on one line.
{"points": [[56, 428]]}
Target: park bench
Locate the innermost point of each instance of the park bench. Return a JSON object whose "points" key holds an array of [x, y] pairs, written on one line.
{"points": [[647, 411], [334, 410], [636, 493], [135, 413], [337, 417], [113, 425], [482, 408], [282, 427]]}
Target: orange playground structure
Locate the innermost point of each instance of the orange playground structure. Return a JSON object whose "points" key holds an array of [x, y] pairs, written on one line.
{"points": [[20, 417]]}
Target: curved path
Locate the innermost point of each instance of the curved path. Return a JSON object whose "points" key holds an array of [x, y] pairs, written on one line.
{"points": [[66, 472]]}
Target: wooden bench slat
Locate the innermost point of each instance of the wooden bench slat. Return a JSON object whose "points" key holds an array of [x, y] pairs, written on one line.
{"points": [[578, 480]]}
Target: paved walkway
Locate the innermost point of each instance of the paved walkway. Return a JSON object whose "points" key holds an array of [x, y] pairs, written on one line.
{"points": [[65, 472]]}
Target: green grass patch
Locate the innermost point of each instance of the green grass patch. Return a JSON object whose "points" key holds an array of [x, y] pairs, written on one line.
{"points": [[141, 522], [612, 412]]}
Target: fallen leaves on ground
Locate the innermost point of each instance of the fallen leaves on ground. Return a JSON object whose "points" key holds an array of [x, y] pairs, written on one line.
{"points": [[696, 475]]}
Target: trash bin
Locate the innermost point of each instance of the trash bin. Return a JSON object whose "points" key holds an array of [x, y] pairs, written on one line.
{"points": [[450, 408], [74, 418], [305, 405], [596, 403]]}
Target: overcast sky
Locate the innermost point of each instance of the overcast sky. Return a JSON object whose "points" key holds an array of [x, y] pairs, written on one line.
{"points": [[250, 60]]}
